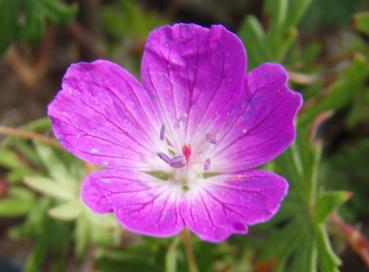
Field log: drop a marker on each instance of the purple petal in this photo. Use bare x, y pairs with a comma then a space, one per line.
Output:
250, 197
141, 203
192, 72
102, 115
226, 204
204, 222
264, 127
95, 195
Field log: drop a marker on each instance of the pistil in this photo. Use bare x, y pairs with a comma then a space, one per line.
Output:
186, 151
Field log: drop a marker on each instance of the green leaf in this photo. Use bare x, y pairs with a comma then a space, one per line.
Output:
327, 202
55, 167
41, 124
276, 12
296, 10
26, 20
283, 243
328, 260
19, 202
38, 12
105, 221
126, 19
10, 160
38, 125
58, 12
105, 237
49, 187
253, 36
341, 92
67, 211
36, 217
36, 257
33, 28
305, 258
287, 41
282, 17
82, 233
52, 242
8, 22
131, 259
361, 22
26, 150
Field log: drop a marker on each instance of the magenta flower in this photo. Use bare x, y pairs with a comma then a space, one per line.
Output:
179, 148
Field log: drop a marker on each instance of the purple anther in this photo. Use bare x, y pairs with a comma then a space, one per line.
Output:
164, 157
207, 165
177, 161
162, 132
211, 138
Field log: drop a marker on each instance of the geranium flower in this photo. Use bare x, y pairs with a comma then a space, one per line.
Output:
179, 148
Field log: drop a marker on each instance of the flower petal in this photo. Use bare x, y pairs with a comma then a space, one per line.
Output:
226, 204
141, 203
264, 127
192, 72
250, 197
101, 115
210, 225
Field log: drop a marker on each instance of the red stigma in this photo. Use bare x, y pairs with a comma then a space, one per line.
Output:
186, 151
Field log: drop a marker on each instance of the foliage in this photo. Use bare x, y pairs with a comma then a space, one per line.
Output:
303, 241
127, 18
339, 14
25, 20
127, 25
43, 181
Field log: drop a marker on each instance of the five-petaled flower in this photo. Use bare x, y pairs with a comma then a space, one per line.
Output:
179, 148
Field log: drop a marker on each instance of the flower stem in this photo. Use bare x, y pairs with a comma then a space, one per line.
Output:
354, 237
14, 132
186, 237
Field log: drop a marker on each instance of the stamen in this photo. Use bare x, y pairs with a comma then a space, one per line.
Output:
164, 157
211, 138
162, 132
177, 161
207, 165
186, 151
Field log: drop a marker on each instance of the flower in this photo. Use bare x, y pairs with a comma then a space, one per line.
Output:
179, 148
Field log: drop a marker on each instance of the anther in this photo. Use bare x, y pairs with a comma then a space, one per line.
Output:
164, 157
177, 161
207, 165
211, 138
162, 132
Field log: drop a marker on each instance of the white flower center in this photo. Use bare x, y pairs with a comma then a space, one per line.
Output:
186, 166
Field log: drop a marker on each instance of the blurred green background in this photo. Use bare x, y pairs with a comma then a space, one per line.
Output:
322, 225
